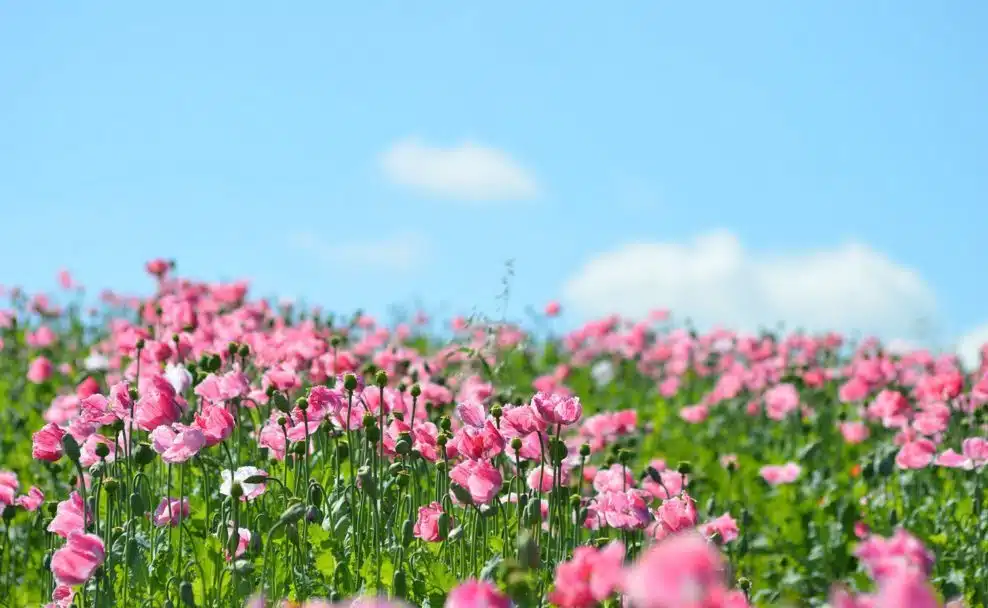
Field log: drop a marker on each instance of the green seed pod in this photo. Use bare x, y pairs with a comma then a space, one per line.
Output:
143, 454
407, 532
291, 515
137, 503
533, 513
373, 434
70, 447
111, 486
399, 585
461, 494
341, 526
342, 451
97, 469
443, 526
316, 494
280, 401
528, 551
381, 379
186, 594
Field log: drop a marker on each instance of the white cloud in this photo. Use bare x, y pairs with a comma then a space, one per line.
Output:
969, 346
468, 171
713, 280
400, 253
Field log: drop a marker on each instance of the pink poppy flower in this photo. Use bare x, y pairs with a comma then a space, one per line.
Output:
976, 448
243, 541
481, 479
694, 414
32, 500
177, 445
521, 420
170, 511
78, 559
674, 515
47, 443
617, 478
916, 454
557, 409
477, 443
68, 516
8, 488
157, 406
683, 570
906, 589
854, 432
884, 557
62, 597
780, 474
477, 594
251, 490
40, 370
427, 524
953, 460
215, 422
591, 577
780, 400
622, 510
725, 527
540, 479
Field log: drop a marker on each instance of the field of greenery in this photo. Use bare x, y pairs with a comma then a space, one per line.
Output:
195, 446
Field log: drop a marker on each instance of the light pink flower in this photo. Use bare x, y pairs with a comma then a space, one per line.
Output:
158, 405
725, 527
683, 570
479, 478
557, 409
47, 443
780, 474
780, 400
76, 561
179, 444
427, 525
477, 594
591, 577
40, 370
170, 511
916, 454
215, 422
68, 516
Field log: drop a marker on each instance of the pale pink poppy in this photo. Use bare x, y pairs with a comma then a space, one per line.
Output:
179, 444
47, 443
916, 454
170, 511
68, 516
479, 478
590, 577
780, 474
427, 525
78, 559
39, 370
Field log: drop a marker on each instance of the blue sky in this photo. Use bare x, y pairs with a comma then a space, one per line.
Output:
363, 154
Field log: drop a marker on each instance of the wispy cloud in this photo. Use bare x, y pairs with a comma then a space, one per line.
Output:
468, 172
398, 253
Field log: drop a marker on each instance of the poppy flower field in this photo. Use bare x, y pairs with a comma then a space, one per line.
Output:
198, 446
